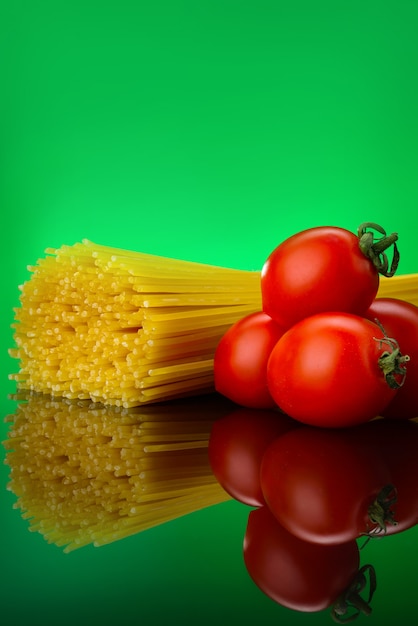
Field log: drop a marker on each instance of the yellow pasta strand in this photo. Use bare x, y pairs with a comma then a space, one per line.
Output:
88, 474
125, 328
402, 286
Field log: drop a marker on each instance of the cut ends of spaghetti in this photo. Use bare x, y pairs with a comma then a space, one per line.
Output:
124, 328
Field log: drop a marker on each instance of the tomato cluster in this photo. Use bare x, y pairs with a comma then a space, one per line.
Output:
322, 446
325, 349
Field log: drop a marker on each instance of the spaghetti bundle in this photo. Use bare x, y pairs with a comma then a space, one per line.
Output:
88, 474
125, 328
402, 286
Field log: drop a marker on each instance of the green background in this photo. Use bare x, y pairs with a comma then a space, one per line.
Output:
207, 131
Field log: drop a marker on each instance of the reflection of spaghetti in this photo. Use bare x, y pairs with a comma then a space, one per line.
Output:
125, 328
89, 474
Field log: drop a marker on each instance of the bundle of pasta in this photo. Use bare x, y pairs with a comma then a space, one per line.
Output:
88, 474
125, 328
402, 286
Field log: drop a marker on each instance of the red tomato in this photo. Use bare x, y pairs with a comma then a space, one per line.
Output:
319, 484
323, 269
396, 441
296, 574
240, 361
236, 447
400, 320
327, 370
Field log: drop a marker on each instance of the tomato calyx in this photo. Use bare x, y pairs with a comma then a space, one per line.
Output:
392, 362
342, 610
375, 249
380, 512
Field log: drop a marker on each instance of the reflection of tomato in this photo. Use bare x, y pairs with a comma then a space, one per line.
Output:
320, 483
296, 574
240, 361
316, 270
400, 320
236, 447
396, 441
326, 370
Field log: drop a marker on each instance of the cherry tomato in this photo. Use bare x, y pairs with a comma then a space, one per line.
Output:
320, 484
400, 320
333, 370
396, 441
240, 361
236, 447
296, 574
324, 269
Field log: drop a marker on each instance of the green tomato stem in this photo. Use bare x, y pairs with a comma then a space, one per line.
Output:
381, 512
392, 362
351, 598
375, 249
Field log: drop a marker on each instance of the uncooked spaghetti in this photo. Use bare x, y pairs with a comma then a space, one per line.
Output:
87, 474
125, 328
403, 286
